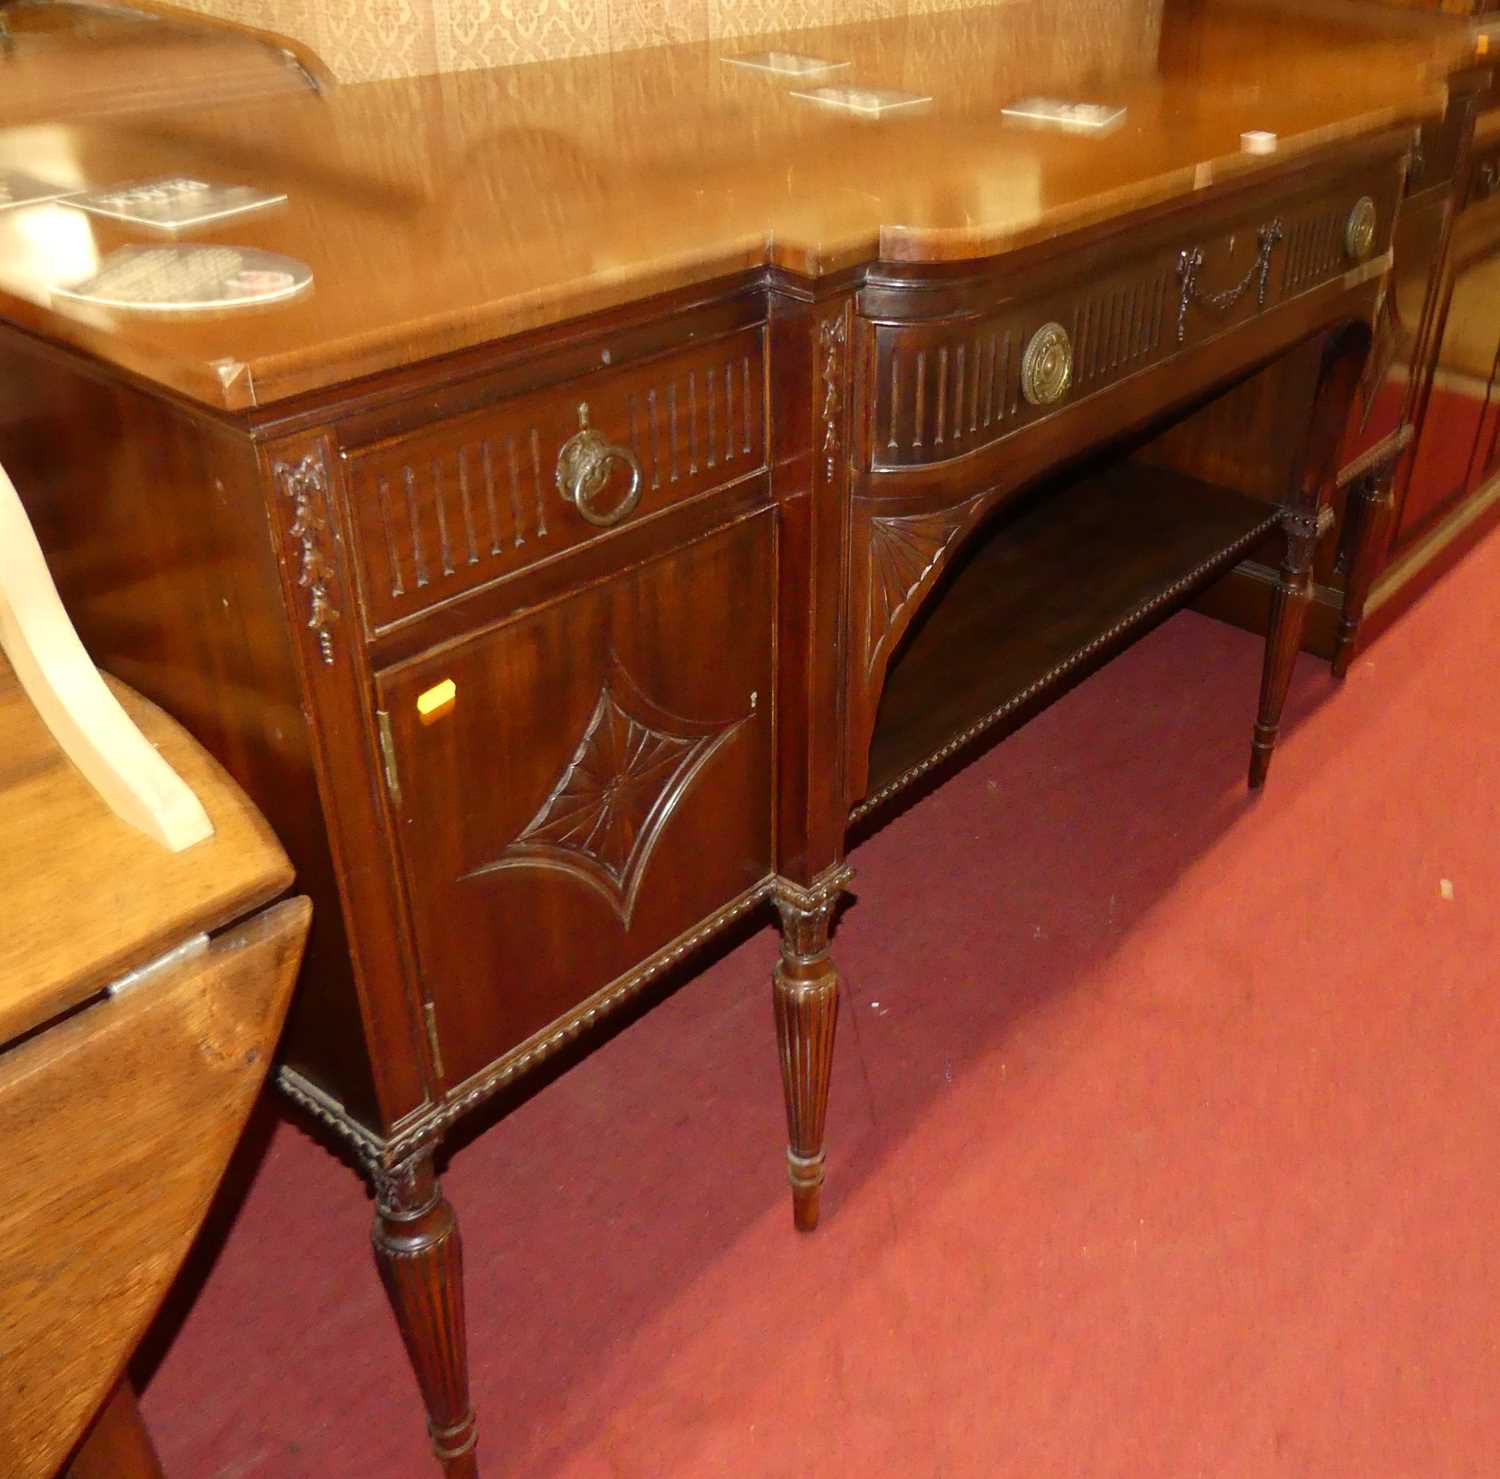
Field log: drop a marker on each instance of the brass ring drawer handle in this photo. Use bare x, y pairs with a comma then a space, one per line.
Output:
583, 469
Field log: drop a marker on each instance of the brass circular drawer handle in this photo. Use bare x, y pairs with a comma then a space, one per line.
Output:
583, 471
1047, 366
1359, 229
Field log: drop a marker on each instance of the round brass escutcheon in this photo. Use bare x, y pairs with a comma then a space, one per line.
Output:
1047, 366
1359, 229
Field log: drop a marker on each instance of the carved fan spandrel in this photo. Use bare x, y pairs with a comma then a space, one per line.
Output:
903, 551
606, 811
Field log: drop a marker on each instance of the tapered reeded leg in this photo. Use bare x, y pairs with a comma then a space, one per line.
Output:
420, 1259
1289, 603
1369, 510
805, 993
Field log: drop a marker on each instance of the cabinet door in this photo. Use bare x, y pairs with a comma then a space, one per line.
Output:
1457, 434
582, 784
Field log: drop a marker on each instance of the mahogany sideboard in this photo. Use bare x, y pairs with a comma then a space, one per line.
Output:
665, 473
1437, 372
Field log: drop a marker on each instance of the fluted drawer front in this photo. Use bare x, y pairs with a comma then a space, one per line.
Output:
476, 499
963, 379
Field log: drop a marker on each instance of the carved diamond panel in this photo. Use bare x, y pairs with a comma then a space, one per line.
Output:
606, 811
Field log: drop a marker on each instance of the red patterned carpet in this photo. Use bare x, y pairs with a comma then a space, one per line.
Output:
1166, 1140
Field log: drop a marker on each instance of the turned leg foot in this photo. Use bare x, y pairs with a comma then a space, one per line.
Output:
805, 995
1289, 602
420, 1259
1370, 505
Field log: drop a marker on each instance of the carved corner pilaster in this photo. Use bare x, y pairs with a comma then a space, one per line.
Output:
833, 399
408, 1189
807, 913
303, 483
1304, 527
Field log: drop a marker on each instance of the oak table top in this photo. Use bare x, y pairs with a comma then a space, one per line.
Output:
442, 212
89, 897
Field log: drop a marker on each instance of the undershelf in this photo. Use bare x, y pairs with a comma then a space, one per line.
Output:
1044, 598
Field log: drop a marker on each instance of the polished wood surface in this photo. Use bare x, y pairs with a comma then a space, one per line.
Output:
118, 1125
119, 1115
70, 61
127, 899
441, 212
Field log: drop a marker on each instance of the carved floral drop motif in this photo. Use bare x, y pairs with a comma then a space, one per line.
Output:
606, 811
306, 484
832, 336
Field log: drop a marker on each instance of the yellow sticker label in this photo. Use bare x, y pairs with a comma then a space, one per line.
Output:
436, 699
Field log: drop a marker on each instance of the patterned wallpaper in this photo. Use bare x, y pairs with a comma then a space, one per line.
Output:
365, 39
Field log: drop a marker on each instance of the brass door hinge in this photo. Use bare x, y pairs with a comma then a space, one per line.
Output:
430, 1015
388, 756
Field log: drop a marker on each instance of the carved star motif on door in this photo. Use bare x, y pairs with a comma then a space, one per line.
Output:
606, 810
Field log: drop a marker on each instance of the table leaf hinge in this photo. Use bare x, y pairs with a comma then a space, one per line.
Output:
388, 756
429, 1016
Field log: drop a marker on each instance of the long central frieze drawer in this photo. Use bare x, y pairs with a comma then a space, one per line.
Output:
957, 365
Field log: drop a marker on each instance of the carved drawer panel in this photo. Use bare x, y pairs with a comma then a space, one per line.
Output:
947, 387
578, 786
477, 498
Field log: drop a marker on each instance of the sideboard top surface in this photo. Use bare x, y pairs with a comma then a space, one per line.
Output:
442, 212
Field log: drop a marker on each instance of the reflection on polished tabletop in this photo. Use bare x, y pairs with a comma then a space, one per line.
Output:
441, 212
